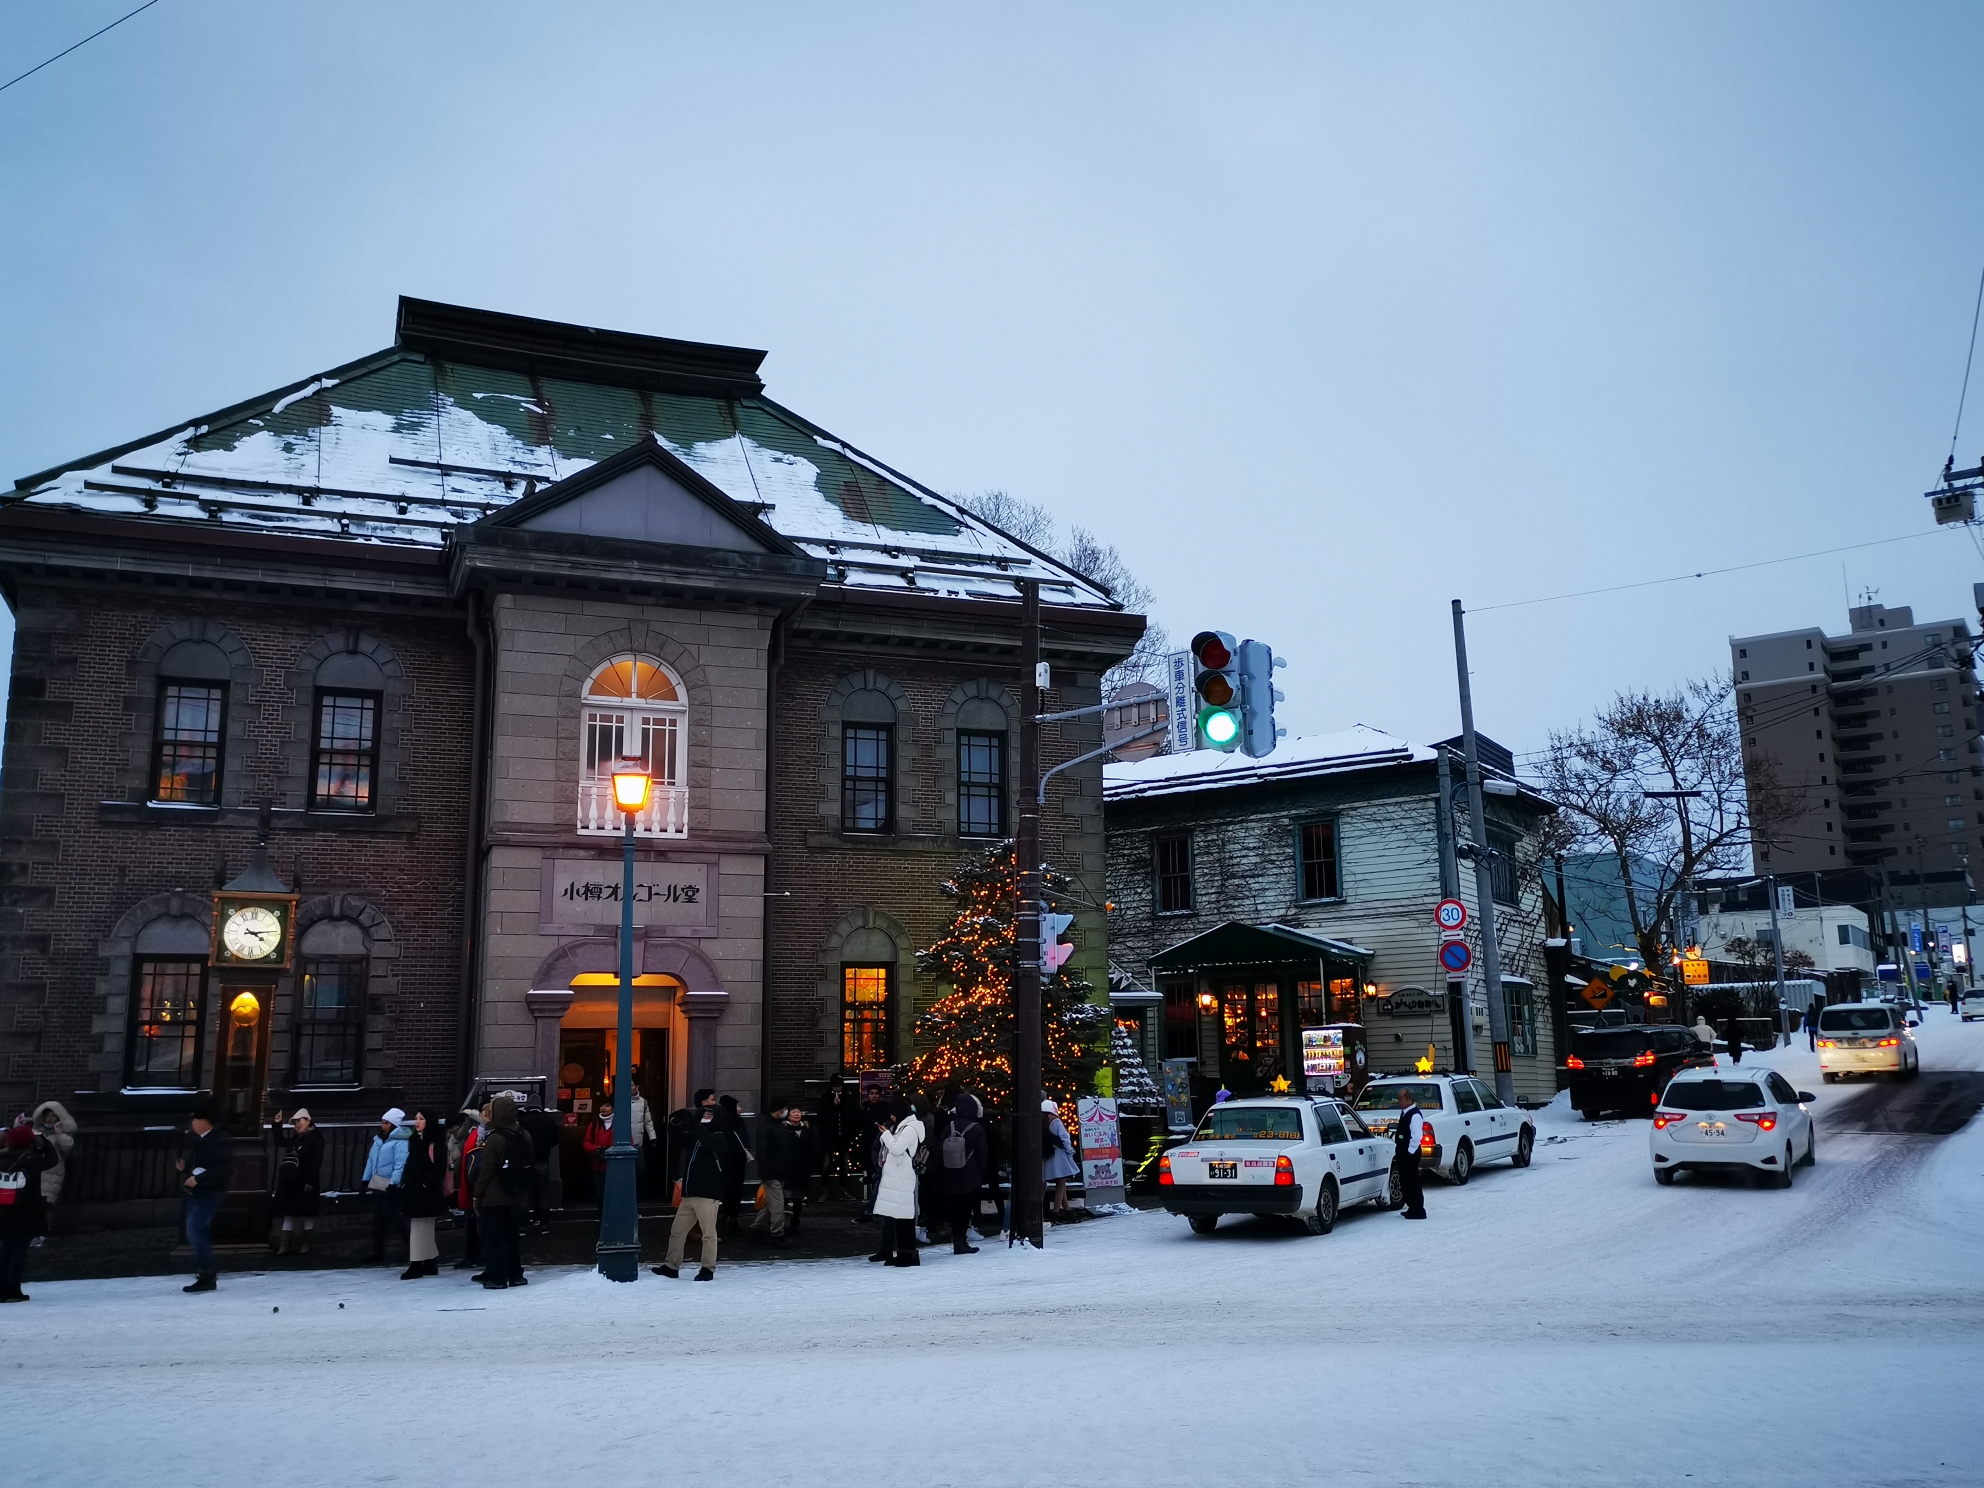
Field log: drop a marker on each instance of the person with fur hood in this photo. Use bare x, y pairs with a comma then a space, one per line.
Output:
53, 1121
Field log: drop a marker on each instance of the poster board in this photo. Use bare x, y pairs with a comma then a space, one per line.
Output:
1102, 1149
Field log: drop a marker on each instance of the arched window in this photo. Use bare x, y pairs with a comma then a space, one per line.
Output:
633, 709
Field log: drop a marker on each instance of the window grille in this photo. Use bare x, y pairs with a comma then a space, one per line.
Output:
347, 754
1174, 875
866, 1040
981, 785
165, 1024
189, 735
633, 709
1319, 876
867, 765
330, 1023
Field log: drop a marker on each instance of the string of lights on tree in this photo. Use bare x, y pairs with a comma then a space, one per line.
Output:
968, 1031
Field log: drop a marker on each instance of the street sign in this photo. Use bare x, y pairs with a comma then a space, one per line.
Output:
1451, 914
1183, 701
1694, 973
1455, 955
1599, 992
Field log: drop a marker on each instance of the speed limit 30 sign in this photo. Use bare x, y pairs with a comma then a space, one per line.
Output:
1451, 915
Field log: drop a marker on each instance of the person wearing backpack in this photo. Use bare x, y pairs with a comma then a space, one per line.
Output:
711, 1151
965, 1156
1057, 1157
505, 1165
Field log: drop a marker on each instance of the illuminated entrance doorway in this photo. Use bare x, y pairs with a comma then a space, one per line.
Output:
588, 1048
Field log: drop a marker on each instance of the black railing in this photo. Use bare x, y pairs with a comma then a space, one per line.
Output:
111, 1166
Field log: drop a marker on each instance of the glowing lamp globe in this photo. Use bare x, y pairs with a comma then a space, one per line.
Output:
630, 787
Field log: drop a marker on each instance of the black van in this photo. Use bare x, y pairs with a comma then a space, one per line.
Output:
1625, 1069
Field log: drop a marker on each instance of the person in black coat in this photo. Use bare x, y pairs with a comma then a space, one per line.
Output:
837, 1129
24, 1156
732, 1120
422, 1182
299, 1184
964, 1156
710, 1153
204, 1170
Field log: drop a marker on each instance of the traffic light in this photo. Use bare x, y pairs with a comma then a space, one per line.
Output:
1053, 952
1216, 680
1258, 731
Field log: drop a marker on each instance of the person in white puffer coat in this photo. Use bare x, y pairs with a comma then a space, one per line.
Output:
54, 1122
901, 1136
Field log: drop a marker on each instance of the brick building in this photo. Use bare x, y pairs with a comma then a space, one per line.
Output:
399, 619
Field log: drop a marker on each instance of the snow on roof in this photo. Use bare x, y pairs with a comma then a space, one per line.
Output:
1357, 748
399, 449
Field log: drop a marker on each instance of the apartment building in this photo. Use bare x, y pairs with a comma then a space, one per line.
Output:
1876, 733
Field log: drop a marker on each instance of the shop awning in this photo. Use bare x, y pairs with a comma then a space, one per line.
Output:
1235, 944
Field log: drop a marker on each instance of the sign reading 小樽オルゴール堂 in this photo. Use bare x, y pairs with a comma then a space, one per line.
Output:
587, 891
1411, 1002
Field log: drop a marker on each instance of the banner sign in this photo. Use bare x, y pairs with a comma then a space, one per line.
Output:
1178, 1095
1181, 723
1102, 1149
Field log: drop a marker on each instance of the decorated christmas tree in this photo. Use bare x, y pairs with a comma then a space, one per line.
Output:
968, 1029
1136, 1091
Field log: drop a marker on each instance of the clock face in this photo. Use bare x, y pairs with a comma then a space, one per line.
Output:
252, 933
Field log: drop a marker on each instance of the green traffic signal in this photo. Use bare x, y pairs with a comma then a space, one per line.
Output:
1219, 727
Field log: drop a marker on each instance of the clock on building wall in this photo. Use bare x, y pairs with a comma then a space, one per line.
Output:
253, 930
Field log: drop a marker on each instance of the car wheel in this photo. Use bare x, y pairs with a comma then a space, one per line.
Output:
1394, 1194
1463, 1168
1202, 1224
1812, 1148
1830, 1079
1525, 1144
1783, 1176
1590, 1113
1663, 1176
1322, 1219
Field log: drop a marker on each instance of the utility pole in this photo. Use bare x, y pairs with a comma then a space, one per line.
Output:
1025, 1216
1776, 947
1457, 1004
1484, 882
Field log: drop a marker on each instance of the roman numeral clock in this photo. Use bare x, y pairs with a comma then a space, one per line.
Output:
253, 930
254, 944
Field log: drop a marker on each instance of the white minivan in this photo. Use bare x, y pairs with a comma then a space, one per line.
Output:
1867, 1038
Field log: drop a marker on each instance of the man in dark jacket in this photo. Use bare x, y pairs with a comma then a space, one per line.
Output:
963, 1156
542, 1128
503, 1146
785, 1161
24, 1156
1406, 1139
711, 1152
209, 1156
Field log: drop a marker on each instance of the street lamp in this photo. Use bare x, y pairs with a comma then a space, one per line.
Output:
619, 1209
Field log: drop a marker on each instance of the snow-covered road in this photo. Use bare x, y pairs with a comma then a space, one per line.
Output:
1568, 1324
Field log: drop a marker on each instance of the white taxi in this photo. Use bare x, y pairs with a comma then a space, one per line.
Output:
1732, 1120
1867, 1038
1466, 1125
1972, 1003
1290, 1155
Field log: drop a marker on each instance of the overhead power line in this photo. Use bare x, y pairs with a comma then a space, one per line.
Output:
1706, 573
83, 43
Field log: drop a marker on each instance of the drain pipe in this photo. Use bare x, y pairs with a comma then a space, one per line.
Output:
480, 712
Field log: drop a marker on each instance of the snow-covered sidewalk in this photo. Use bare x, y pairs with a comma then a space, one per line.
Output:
1568, 1324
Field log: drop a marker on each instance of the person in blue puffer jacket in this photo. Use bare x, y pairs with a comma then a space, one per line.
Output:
385, 1162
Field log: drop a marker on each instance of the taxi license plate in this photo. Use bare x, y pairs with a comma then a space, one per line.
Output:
1222, 1170
1715, 1130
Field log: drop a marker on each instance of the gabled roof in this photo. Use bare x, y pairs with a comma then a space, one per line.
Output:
471, 410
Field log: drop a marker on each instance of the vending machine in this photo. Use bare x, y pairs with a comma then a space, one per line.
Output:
1334, 1060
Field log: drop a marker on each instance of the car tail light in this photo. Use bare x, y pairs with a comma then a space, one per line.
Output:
1825, 1043
1164, 1171
1574, 1063
1426, 1140
1888, 1044
1284, 1172
1642, 1059
1664, 1119
1762, 1120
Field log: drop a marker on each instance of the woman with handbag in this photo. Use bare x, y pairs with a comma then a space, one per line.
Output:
383, 1162
299, 1182
421, 1183
899, 1134
1057, 1153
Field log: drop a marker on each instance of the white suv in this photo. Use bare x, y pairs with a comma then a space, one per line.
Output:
1731, 1120
1465, 1124
1865, 1038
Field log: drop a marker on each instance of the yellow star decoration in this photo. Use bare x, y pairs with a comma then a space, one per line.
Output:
1425, 1064
1279, 1085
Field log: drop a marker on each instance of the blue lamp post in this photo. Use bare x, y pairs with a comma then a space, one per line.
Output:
619, 1210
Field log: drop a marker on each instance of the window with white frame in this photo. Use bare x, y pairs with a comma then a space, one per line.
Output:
633, 708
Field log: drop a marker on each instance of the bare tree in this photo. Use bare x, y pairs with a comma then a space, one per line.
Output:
1685, 740
1088, 555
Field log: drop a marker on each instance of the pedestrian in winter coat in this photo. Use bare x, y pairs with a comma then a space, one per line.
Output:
54, 1122
503, 1146
381, 1179
544, 1129
733, 1195
463, 1136
711, 1153
963, 1155
1057, 1164
1734, 1039
898, 1136
299, 1184
1704, 1034
1812, 1024
25, 1155
995, 1124
208, 1159
598, 1137
838, 1128
786, 1160
423, 1183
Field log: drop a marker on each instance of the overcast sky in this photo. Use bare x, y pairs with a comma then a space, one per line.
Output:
1324, 314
